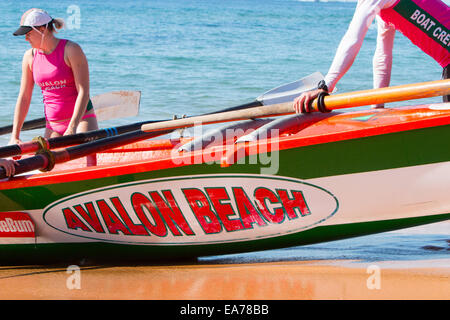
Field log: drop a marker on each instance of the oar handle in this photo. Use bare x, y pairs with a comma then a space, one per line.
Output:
29, 164
46, 160
64, 141
27, 125
258, 112
385, 95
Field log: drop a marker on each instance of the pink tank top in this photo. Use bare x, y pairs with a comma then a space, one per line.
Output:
426, 23
57, 83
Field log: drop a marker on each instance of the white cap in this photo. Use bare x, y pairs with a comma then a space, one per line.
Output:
32, 18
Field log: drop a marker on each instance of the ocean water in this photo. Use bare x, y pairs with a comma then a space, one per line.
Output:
196, 56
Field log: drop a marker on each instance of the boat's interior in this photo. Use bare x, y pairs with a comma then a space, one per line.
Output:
229, 134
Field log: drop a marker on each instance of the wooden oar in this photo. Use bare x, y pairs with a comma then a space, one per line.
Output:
110, 105
386, 95
332, 102
47, 159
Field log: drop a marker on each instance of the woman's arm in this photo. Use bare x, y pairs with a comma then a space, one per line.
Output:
24, 98
346, 52
348, 48
76, 59
352, 41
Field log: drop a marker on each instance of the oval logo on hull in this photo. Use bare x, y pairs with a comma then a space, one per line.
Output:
190, 210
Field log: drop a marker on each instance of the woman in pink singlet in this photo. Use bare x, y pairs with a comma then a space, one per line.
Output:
59, 67
425, 22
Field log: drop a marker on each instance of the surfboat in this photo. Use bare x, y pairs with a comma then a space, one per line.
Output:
245, 186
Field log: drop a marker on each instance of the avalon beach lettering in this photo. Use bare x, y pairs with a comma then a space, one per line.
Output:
193, 210
158, 214
53, 85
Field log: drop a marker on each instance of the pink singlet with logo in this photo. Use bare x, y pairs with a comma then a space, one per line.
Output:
426, 23
57, 83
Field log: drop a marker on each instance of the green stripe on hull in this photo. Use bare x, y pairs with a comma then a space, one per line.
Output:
387, 151
120, 253
381, 152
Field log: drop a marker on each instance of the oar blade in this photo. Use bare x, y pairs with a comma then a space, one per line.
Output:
110, 105
288, 92
116, 104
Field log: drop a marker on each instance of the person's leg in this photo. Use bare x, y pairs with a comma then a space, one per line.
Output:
89, 123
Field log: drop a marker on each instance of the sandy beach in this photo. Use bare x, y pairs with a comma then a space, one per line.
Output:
310, 280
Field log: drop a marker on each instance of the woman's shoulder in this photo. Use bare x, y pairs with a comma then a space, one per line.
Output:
28, 56
73, 53
72, 49
29, 53
71, 45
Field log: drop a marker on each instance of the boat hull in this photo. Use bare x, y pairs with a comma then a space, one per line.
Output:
309, 188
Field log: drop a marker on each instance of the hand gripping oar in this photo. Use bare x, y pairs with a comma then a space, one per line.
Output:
383, 95
325, 104
282, 93
110, 105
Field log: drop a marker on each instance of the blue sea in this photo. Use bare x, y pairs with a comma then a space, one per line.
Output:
196, 56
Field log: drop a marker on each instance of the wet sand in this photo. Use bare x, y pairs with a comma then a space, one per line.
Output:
286, 280
411, 264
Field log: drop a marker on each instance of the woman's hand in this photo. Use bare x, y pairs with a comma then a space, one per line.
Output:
70, 130
9, 166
